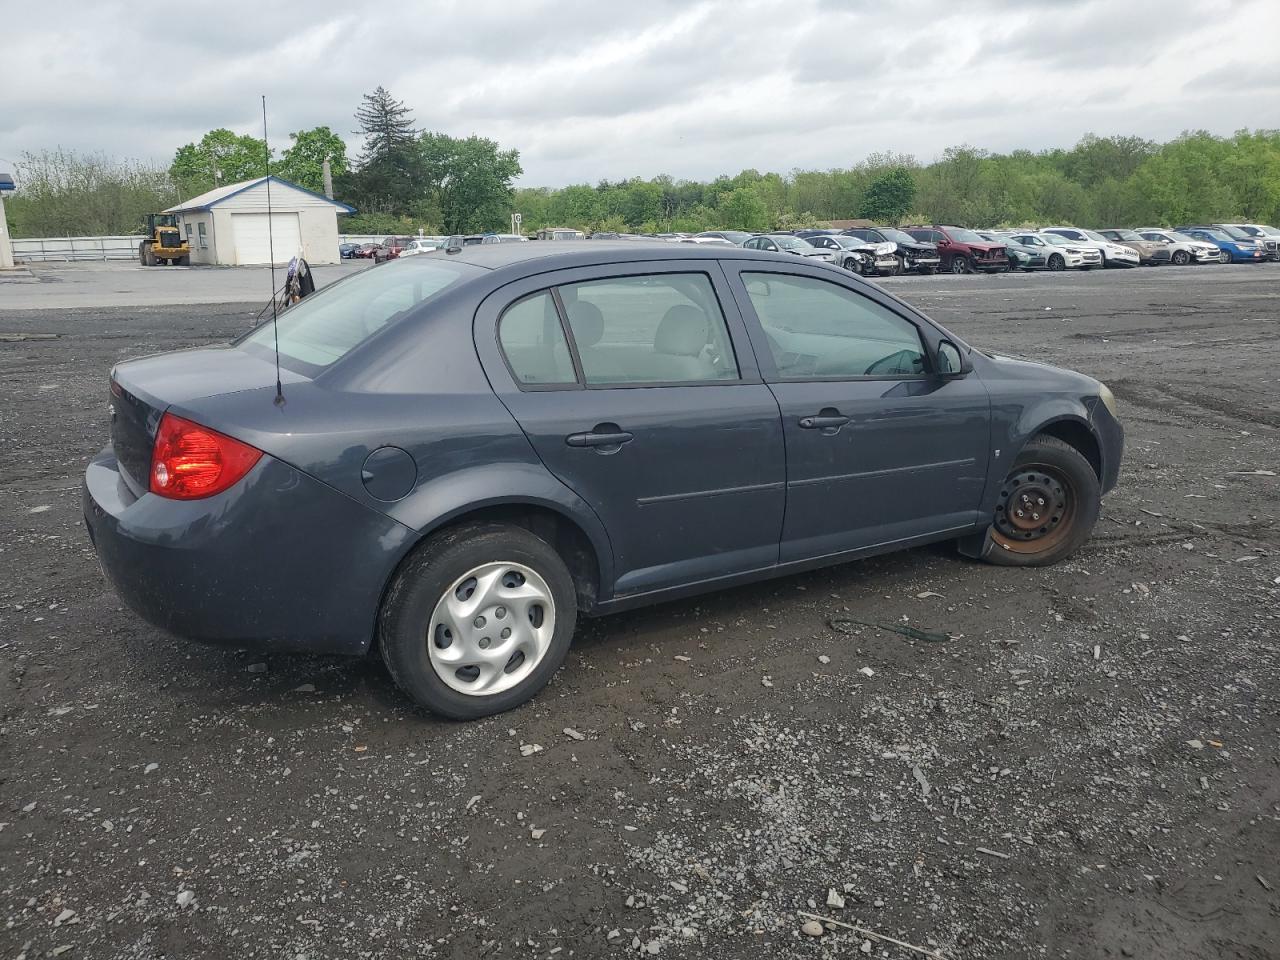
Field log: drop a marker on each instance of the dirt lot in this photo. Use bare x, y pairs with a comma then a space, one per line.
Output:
1091, 770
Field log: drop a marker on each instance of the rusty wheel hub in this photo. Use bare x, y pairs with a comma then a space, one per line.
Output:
1034, 511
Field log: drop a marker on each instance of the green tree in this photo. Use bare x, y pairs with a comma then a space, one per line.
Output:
742, 209
468, 180
388, 175
64, 193
889, 196
303, 161
221, 157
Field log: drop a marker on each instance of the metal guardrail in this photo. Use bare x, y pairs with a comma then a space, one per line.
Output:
76, 248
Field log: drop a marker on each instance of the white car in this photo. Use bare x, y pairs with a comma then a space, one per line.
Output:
1113, 254
423, 245
1182, 249
1269, 236
1059, 252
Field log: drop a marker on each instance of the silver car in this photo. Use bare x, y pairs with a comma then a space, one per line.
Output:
786, 243
1182, 249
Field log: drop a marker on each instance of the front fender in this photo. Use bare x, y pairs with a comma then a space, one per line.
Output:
1012, 428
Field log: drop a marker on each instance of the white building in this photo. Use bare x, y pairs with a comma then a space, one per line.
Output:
228, 225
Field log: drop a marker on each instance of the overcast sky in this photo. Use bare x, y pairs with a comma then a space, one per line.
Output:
603, 89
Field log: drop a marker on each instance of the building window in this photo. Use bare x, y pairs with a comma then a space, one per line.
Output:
188, 226
204, 239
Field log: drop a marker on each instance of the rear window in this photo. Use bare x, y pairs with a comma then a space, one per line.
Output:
331, 322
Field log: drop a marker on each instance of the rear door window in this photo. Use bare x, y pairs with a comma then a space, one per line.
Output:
649, 329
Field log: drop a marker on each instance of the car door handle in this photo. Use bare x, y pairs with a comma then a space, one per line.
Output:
823, 422
602, 439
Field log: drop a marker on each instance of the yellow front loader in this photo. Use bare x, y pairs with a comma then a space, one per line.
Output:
163, 243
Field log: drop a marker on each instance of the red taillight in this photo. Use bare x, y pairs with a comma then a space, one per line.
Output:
190, 461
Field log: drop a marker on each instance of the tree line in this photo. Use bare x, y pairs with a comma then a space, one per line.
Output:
1100, 182
405, 179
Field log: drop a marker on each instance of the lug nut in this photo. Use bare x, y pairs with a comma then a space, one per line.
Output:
506, 632
502, 611
1040, 501
484, 643
1035, 516
1019, 513
479, 622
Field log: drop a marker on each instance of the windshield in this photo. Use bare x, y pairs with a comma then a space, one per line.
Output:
1216, 234
1181, 237
964, 236
793, 243
1094, 235
1129, 235
330, 323
896, 236
1235, 233
847, 242
733, 236
1056, 239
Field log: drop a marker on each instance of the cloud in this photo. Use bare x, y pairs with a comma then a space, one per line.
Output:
588, 90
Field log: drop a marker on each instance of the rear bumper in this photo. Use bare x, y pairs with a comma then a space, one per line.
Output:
279, 562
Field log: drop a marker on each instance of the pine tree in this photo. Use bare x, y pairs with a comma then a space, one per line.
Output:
385, 123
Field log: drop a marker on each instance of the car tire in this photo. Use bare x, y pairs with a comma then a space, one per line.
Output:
960, 265
521, 581
1180, 258
1056, 262
929, 271
852, 265
1224, 257
1059, 497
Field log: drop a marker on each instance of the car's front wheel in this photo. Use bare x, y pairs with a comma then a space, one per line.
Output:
1224, 257
1047, 506
961, 264
1056, 262
477, 620
1180, 258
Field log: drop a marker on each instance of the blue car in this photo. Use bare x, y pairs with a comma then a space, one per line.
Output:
451, 458
1235, 249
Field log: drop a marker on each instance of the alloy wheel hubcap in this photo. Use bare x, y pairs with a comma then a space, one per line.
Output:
491, 628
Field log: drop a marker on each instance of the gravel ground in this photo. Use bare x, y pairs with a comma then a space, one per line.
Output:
1089, 769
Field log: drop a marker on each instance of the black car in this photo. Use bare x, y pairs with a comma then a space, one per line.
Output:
463, 453
918, 255
348, 250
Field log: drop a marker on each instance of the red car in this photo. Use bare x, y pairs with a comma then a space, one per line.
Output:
963, 251
366, 251
391, 248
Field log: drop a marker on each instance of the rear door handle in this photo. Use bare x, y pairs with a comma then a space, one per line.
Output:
823, 422
603, 437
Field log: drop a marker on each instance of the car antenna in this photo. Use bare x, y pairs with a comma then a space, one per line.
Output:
271, 254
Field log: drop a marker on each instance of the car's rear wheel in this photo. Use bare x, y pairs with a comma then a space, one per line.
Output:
1047, 506
478, 620
1180, 258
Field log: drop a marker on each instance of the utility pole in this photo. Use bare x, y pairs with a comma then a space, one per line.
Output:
6, 246
327, 172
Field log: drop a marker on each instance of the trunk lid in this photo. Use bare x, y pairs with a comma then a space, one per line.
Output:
141, 391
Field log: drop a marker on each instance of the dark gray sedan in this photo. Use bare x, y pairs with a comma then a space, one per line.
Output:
467, 451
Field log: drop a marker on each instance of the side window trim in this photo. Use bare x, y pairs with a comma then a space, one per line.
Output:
759, 338
570, 339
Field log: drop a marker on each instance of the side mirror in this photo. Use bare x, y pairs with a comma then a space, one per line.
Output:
944, 242
950, 362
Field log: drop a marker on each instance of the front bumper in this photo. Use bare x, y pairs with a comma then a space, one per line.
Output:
280, 561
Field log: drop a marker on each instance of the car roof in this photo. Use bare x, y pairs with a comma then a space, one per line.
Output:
560, 254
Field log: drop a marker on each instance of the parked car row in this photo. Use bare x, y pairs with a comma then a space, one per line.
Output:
929, 248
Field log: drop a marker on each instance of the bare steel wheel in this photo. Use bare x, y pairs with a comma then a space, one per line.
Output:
491, 628
1046, 507
477, 619
1034, 510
